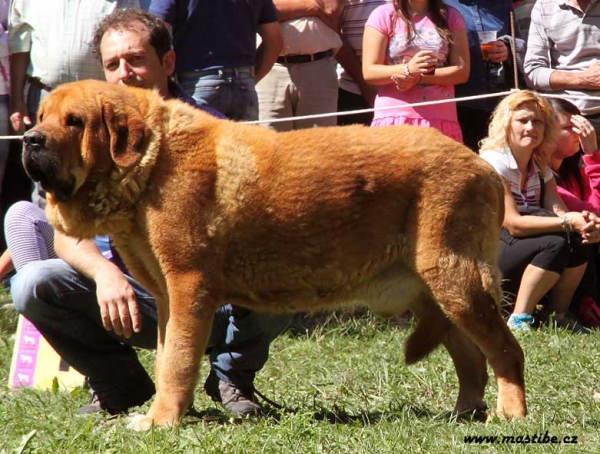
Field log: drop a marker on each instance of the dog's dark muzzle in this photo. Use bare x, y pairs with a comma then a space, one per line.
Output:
34, 141
43, 166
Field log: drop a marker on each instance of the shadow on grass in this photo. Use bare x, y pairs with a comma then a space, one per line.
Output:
338, 415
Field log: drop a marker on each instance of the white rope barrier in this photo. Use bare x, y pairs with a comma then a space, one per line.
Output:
353, 112
418, 104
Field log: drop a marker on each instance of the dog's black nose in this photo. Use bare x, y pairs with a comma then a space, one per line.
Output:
34, 139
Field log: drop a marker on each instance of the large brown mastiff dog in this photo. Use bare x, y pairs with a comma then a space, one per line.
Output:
208, 211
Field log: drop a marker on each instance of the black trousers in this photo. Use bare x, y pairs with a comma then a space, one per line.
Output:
348, 101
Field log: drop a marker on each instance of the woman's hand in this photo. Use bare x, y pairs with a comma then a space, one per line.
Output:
422, 62
586, 132
405, 83
587, 224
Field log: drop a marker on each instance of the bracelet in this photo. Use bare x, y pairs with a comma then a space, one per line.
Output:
564, 225
407, 71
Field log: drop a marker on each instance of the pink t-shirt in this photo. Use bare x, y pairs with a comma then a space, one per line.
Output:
441, 116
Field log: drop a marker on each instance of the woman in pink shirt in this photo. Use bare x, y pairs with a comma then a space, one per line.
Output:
416, 51
578, 174
576, 164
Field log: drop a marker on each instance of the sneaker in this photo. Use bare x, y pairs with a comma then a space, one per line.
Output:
568, 321
234, 399
520, 322
92, 408
96, 407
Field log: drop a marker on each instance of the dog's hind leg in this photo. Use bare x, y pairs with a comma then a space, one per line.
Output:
468, 292
471, 369
434, 327
431, 329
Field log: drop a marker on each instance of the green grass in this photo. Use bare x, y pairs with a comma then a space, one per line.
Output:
344, 389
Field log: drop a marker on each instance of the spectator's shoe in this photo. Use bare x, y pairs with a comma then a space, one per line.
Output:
588, 313
92, 408
236, 401
568, 321
520, 322
96, 407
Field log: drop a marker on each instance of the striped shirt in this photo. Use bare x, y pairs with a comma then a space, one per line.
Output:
58, 35
504, 163
563, 38
353, 18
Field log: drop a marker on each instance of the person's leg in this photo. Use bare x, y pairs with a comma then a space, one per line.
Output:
239, 348
531, 266
275, 98
474, 125
4, 131
535, 283
241, 342
562, 293
317, 85
62, 305
208, 88
244, 98
29, 235
348, 101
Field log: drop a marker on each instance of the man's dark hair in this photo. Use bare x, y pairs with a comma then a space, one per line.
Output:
130, 19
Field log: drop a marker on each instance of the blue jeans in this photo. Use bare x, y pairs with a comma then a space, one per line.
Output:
62, 304
231, 91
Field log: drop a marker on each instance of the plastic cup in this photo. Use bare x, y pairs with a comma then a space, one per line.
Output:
486, 38
434, 48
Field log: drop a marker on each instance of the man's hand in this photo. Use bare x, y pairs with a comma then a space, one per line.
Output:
19, 118
328, 11
498, 53
116, 297
591, 77
118, 306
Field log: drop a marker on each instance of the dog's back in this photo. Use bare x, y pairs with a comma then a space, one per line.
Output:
309, 217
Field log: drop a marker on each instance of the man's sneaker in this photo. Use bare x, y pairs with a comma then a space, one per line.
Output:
96, 407
234, 399
568, 321
520, 322
92, 408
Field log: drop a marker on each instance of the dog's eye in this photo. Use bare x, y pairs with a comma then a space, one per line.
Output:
74, 121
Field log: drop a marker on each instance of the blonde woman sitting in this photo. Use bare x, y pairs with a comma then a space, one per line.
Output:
543, 249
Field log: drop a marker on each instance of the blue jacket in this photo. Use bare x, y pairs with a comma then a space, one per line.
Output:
485, 78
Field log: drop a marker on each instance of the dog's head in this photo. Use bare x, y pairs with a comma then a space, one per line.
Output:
84, 130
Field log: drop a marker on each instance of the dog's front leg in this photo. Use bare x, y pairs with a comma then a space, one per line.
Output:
184, 338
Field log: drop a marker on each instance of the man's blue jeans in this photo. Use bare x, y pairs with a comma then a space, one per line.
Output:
62, 304
231, 91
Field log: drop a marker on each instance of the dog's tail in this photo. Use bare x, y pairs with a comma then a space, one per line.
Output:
432, 327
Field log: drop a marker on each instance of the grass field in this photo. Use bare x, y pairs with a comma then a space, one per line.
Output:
344, 389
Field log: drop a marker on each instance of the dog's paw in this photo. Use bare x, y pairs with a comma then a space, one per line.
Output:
139, 423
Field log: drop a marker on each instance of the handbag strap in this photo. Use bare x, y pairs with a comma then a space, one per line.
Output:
542, 189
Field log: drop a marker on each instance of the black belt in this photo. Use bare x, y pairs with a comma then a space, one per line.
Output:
305, 58
39, 84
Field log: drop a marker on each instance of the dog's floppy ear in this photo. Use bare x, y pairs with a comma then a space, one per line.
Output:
127, 131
